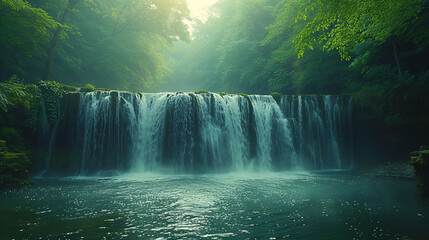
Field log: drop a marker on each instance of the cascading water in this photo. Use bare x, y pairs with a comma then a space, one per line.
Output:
198, 133
321, 130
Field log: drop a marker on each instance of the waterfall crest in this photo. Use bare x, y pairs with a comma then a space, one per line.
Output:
199, 133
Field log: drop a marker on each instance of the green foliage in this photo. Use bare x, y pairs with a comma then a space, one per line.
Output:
13, 138
68, 88
226, 54
400, 100
421, 160
88, 88
342, 25
52, 93
13, 169
24, 32
102, 89
201, 92
192, 96
243, 62
231, 52
223, 93
4, 102
19, 103
34, 25
244, 95
115, 44
127, 42
13, 166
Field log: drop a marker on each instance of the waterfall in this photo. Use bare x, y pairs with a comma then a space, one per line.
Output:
199, 133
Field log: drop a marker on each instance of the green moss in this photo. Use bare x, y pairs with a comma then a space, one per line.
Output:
52, 93
244, 95
223, 93
139, 93
68, 88
201, 92
192, 95
277, 96
88, 88
102, 89
421, 160
14, 168
14, 139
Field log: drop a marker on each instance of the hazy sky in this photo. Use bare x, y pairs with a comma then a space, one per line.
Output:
199, 8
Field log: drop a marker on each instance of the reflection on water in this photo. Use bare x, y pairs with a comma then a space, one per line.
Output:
279, 206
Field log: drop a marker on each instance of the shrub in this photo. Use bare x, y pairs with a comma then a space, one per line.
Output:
223, 93
201, 92
88, 88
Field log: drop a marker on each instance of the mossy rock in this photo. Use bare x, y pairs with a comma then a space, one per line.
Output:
102, 89
201, 92
192, 96
14, 169
223, 93
68, 88
244, 95
138, 93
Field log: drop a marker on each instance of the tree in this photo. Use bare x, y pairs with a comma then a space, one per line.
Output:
24, 31
56, 37
341, 25
113, 43
232, 53
243, 62
123, 44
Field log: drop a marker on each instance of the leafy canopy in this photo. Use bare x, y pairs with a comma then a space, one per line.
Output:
342, 24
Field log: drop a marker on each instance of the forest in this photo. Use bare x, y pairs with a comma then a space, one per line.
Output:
375, 52
257, 46
254, 119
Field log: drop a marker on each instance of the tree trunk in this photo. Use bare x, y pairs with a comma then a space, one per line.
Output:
396, 57
56, 38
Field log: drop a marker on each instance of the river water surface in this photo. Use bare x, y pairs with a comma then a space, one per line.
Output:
234, 206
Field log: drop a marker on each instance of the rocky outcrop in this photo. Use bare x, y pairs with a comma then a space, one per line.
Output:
420, 161
13, 168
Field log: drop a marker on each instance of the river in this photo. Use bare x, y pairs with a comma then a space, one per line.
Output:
293, 205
